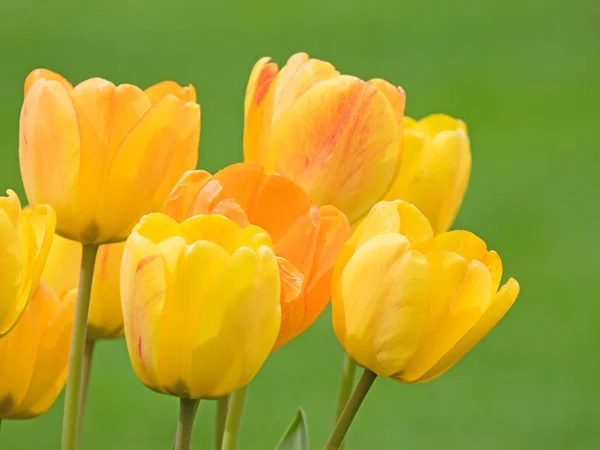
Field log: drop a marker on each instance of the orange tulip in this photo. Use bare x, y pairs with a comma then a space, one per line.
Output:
306, 239
104, 155
338, 137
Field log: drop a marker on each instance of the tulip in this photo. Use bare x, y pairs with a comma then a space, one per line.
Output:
407, 305
105, 320
336, 136
104, 155
435, 168
306, 239
200, 304
25, 239
34, 356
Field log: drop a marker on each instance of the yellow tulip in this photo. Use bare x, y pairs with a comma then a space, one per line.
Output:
200, 304
25, 238
408, 305
35, 355
435, 168
336, 136
104, 155
61, 272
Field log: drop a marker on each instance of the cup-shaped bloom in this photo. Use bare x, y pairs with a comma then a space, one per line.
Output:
200, 304
25, 239
408, 305
105, 319
104, 155
336, 136
306, 239
34, 356
435, 168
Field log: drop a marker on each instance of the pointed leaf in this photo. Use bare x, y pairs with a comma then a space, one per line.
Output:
296, 436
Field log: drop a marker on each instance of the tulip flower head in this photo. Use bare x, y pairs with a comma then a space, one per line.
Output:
336, 136
408, 305
25, 239
306, 239
435, 168
104, 155
105, 320
35, 354
200, 304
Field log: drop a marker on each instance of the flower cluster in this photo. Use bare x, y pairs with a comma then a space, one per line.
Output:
340, 196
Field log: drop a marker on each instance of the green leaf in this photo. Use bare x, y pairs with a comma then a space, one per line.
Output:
296, 436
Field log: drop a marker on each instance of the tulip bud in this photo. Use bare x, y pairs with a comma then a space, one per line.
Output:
104, 155
336, 136
200, 304
408, 305
306, 239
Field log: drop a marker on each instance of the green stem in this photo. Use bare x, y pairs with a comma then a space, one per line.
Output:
346, 385
187, 414
78, 340
234, 417
220, 417
345, 420
85, 381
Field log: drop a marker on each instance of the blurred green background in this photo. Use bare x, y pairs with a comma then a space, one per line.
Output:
524, 75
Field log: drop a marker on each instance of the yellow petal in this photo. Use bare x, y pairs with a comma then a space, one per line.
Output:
192, 272
500, 305
465, 243
395, 95
52, 360
48, 121
438, 123
464, 307
380, 304
150, 160
45, 74
12, 264
143, 293
105, 114
257, 113
436, 184
157, 227
237, 324
340, 142
42, 220
19, 350
158, 91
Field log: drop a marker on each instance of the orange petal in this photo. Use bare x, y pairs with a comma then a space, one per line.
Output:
45, 74
395, 95
340, 142
293, 307
158, 91
182, 200
299, 243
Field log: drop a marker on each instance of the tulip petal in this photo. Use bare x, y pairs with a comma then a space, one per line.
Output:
502, 302
293, 306
182, 202
12, 263
157, 227
466, 244
438, 123
48, 121
412, 150
158, 91
45, 74
61, 271
42, 219
143, 293
238, 323
395, 95
52, 358
380, 304
325, 142
462, 313
161, 146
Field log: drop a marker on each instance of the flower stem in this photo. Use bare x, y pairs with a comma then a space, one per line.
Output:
234, 417
220, 417
187, 414
85, 381
76, 356
346, 385
345, 420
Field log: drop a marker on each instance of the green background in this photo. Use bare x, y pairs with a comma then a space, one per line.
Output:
524, 75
